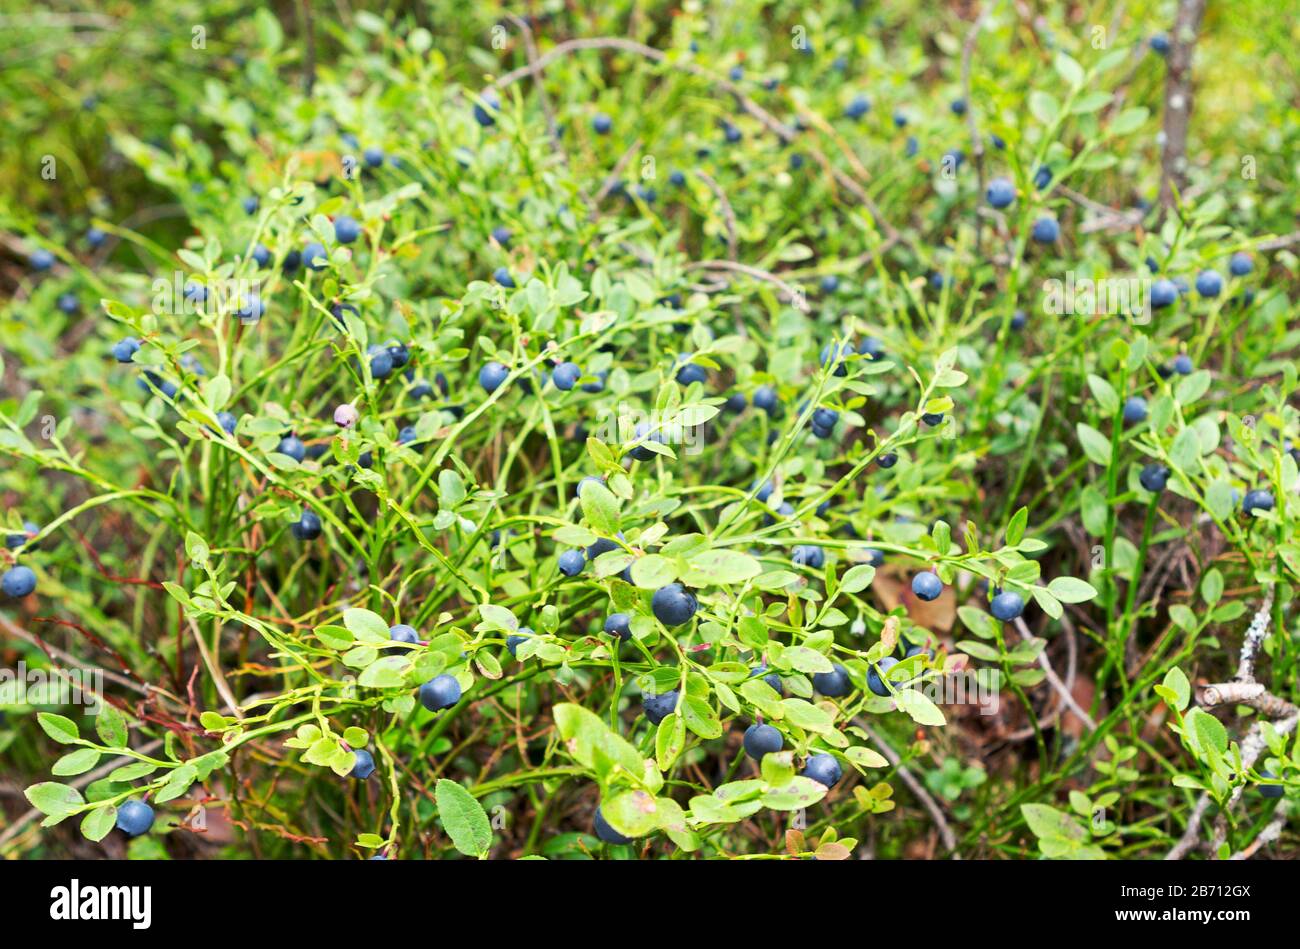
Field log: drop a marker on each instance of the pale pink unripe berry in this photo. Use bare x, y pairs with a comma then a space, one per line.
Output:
345, 416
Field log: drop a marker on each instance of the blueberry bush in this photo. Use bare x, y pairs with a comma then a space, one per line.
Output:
745, 431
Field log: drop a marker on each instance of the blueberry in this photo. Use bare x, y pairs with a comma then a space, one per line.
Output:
997, 141
599, 384
502, 276
1183, 364
1007, 606
1271, 791
736, 402
292, 446
658, 707
796, 161
374, 156
125, 350
912, 146
833, 684
1001, 193
643, 434
251, 204
442, 691
602, 123
571, 563
67, 302
954, 157
381, 364
927, 585
1160, 44
1154, 477
871, 347
887, 460
492, 375
830, 283
730, 133
688, 372
566, 374
673, 605
1257, 500
958, 106
1163, 293
1209, 283
1042, 177
876, 675
762, 740
346, 229
875, 557
765, 398
18, 582
736, 74
763, 491
808, 555
398, 353
292, 261
859, 107
605, 832
933, 419
261, 255
1240, 264
825, 418
315, 256
1046, 230
307, 527
834, 355
401, 633
251, 309
134, 817
227, 421
771, 678
918, 650
1135, 409
364, 766
20, 538
95, 237
823, 768
620, 625
515, 640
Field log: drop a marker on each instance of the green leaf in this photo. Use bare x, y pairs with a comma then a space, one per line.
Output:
720, 567
919, 707
97, 823
386, 672
1016, 528
858, 578
1177, 684
463, 818
600, 507
1071, 590
591, 742
368, 627
110, 725
63, 730
806, 660
1059, 834
653, 571
76, 762
54, 799
1095, 445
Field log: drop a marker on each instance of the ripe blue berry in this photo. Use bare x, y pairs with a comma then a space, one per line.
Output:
602, 123
1209, 283
689, 372
95, 237
859, 107
402, 633
1271, 791
1164, 292
67, 303
1135, 409
134, 817
762, 740
620, 625
315, 256
515, 640
887, 460
492, 375
1046, 230
673, 605
18, 582
1001, 193
251, 204
374, 156
871, 347
1042, 177
307, 527
364, 766
440, 692
1007, 606
958, 106
823, 768
1240, 264
876, 675
566, 374
1183, 364
1160, 44
125, 350
40, 259
1154, 477
927, 585
605, 832
571, 562
502, 276
381, 363
346, 229
292, 446
765, 398
771, 678
833, 684
1257, 500
485, 113
808, 555
658, 707
1019, 320
227, 421
261, 255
